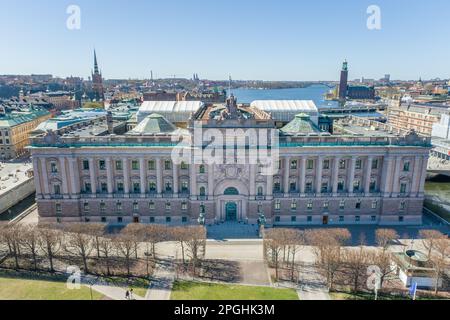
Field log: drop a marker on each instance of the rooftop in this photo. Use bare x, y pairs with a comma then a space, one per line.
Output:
16, 118
12, 175
285, 105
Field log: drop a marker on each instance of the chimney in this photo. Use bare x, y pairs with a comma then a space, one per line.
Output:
109, 121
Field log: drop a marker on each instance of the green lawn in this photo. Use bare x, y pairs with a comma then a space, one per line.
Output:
139, 285
20, 289
186, 290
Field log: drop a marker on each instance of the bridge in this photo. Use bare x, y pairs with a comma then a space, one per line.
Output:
438, 166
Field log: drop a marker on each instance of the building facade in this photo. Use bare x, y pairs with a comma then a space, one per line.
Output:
353, 176
15, 129
415, 117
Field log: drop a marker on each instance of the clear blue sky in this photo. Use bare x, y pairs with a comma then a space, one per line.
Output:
249, 39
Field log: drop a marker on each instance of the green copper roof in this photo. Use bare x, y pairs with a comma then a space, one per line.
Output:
301, 124
16, 118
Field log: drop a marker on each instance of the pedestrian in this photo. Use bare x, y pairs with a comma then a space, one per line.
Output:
127, 295
131, 293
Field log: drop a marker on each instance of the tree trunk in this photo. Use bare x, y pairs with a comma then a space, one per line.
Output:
182, 253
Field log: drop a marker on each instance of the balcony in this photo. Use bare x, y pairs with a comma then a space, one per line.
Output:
167, 194
260, 197
202, 198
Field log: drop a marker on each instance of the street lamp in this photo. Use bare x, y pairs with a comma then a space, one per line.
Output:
201, 219
261, 223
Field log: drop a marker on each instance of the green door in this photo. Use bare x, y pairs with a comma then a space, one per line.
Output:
231, 211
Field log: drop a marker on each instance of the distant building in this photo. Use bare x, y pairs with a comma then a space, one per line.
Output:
361, 93
160, 95
415, 117
343, 84
15, 129
97, 82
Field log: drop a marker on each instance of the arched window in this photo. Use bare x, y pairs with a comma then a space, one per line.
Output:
202, 169
202, 191
231, 192
260, 191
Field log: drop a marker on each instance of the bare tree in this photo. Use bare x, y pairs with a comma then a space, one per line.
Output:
180, 235
137, 231
50, 239
78, 242
328, 250
106, 247
356, 261
382, 259
30, 240
11, 235
384, 237
274, 243
440, 259
154, 234
429, 238
125, 246
295, 240
196, 244
97, 230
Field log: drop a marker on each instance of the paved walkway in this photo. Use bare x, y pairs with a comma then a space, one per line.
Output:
312, 285
112, 292
161, 283
254, 273
232, 230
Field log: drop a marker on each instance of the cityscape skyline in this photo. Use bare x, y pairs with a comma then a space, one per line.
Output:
223, 41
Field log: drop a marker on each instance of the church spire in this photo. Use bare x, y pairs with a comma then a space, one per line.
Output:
96, 71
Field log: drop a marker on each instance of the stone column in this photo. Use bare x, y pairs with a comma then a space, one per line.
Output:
423, 175
64, 177
92, 176
253, 180
368, 175
211, 181
351, 176
74, 178
109, 175
159, 176
396, 182
269, 187
44, 174
193, 180
286, 176
319, 169
175, 179
386, 176
336, 162
126, 176
417, 174
302, 175
143, 175
37, 177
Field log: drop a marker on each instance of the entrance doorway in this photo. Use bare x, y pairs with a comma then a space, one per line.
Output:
231, 211
136, 219
325, 220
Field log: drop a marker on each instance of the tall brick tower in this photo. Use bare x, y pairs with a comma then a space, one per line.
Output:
97, 82
343, 85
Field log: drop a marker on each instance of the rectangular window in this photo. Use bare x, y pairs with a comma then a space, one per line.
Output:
120, 187
374, 204
310, 165
341, 218
309, 219
326, 205
136, 187
119, 165
85, 165
324, 188
358, 164
341, 186
58, 208
401, 219
152, 220
103, 219
277, 219
135, 207
167, 165
102, 164
151, 205
151, 165
356, 185
342, 164
294, 164
168, 206
184, 220
293, 219
86, 206
119, 206
402, 205
184, 166
184, 206
104, 187
57, 189
373, 218
168, 219
53, 168
278, 205
102, 207
358, 205
87, 187
357, 218
294, 205
309, 206
406, 166
134, 165
309, 187
326, 164
375, 164
373, 186
342, 205
119, 220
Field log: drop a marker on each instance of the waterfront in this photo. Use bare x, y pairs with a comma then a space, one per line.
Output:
315, 93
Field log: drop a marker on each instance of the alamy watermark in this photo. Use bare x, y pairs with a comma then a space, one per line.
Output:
73, 21
230, 146
374, 19
74, 280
